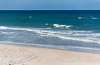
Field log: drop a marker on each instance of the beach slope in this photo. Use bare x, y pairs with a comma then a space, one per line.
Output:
30, 55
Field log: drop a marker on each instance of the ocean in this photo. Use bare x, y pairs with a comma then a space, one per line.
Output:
77, 30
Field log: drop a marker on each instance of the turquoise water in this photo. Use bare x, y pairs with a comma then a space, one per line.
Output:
62, 29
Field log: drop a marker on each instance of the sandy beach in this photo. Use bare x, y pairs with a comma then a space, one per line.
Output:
30, 55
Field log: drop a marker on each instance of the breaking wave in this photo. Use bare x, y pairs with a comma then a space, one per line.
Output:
84, 36
62, 26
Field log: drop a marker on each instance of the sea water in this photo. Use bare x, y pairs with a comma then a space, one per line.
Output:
77, 30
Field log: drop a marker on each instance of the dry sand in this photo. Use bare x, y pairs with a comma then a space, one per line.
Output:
29, 55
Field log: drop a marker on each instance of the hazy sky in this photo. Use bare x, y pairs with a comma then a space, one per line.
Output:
49, 4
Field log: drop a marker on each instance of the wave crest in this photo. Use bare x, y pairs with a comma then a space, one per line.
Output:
3, 27
62, 26
84, 36
87, 17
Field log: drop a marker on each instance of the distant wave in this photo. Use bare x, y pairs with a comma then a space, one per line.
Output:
66, 26
50, 26
87, 17
62, 26
59, 25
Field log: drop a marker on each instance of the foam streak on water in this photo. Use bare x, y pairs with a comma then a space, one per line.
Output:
84, 36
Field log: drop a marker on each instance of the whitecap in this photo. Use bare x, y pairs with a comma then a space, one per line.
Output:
94, 17
46, 24
61, 26
87, 17
3, 27
79, 17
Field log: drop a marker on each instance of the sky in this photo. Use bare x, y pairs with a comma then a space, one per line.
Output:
49, 4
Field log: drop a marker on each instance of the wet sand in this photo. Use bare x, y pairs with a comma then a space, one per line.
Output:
30, 55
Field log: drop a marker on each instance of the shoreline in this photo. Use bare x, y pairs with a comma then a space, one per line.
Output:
29, 55
50, 48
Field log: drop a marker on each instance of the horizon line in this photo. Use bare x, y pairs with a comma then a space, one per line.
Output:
20, 10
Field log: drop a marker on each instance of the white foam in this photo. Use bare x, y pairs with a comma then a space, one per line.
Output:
8, 33
67, 35
87, 17
3, 27
61, 26
94, 17
79, 17
64, 47
81, 39
46, 24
